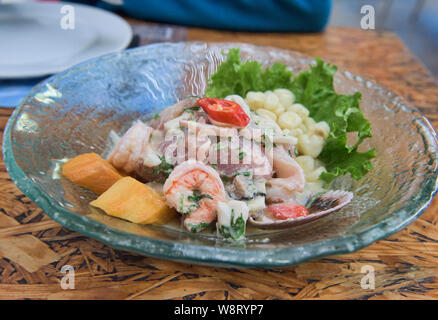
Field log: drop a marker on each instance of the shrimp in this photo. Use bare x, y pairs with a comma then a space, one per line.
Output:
131, 147
194, 190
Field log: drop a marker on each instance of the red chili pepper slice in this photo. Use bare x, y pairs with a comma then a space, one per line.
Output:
285, 211
224, 111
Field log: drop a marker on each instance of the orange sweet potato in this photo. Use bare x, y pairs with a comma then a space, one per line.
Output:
91, 171
134, 201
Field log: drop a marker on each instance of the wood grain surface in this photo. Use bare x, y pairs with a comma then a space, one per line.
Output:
33, 248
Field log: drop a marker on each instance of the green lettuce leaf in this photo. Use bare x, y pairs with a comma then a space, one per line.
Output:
235, 77
314, 89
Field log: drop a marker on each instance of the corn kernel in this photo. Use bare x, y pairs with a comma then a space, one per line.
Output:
279, 110
314, 175
303, 127
289, 120
309, 122
297, 132
310, 145
285, 96
299, 109
271, 101
255, 100
321, 129
307, 163
283, 91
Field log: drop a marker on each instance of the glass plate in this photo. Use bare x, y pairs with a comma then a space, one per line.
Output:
73, 112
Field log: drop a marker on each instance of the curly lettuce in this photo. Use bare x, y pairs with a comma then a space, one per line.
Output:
314, 89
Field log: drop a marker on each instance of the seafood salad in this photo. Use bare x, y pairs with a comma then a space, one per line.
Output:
260, 154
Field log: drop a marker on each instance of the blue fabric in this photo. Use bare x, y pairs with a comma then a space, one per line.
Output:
247, 15
12, 91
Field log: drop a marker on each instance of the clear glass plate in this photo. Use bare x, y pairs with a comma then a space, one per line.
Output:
74, 111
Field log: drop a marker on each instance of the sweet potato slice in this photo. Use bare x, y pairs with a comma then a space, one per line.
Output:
91, 171
134, 201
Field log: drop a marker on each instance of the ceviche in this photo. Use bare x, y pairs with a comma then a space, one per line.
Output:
261, 148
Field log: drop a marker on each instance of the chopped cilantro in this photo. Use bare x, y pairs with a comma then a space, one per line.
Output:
191, 110
194, 228
236, 230
244, 173
268, 142
196, 197
164, 167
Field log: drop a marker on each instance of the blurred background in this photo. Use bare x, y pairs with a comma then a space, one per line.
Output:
414, 21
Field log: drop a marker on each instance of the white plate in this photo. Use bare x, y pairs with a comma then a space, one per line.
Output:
33, 43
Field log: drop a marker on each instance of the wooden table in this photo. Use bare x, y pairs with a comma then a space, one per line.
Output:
34, 248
